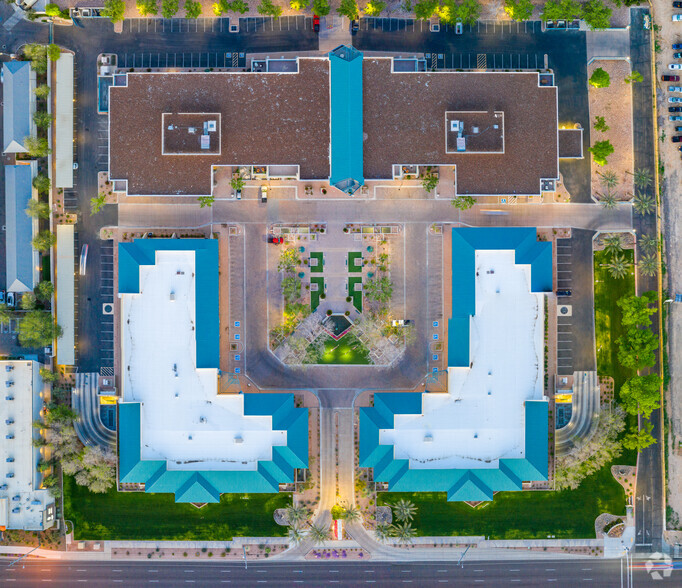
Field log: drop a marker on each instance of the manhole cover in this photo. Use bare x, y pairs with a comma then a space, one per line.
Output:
564, 310
107, 308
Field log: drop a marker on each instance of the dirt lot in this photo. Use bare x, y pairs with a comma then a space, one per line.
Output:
672, 226
615, 105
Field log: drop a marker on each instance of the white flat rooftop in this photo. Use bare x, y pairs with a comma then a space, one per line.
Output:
183, 419
481, 418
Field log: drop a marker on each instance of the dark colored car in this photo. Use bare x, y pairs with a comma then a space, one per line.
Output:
677, 4
354, 26
670, 78
316, 23
675, 109
677, 46
677, 139
563, 292
678, 129
677, 55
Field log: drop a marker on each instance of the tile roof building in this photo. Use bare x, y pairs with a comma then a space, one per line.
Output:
489, 432
345, 118
176, 433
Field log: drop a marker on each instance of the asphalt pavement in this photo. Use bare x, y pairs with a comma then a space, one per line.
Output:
507, 45
575, 572
649, 499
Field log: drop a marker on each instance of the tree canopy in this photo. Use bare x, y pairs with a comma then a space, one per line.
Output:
637, 310
636, 349
518, 10
596, 14
641, 394
600, 78
600, 151
114, 10
37, 329
289, 260
349, 9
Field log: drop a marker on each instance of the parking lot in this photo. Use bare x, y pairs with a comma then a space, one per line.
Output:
484, 27
202, 60
216, 25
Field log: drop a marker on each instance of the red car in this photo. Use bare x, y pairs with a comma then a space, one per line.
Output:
670, 78
677, 139
316, 23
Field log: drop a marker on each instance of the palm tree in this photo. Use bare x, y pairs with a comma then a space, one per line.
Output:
648, 243
613, 244
609, 178
296, 514
404, 510
642, 177
352, 513
644, 203
296, 535
404, 531
648, 265
608, 200
318, 535
383, 532
618, 267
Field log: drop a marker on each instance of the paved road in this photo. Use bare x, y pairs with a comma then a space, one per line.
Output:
510, 45
585, 216
84, 400
585, 408
578, 572
649, 499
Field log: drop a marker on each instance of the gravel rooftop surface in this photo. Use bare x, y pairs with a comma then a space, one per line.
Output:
404, 120
571, 143
267, 119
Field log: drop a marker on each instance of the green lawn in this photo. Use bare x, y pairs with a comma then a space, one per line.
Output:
355, 295
139, 516
519, 515
315, 294
354, 261
347, 350
318, 266
608, 328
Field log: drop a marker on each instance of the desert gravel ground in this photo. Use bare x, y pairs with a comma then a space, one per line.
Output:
615, 105
672, 226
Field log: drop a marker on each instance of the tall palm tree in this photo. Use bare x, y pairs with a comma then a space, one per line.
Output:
404, 510
608, 200
609, 178
648, 265
318, 535
648, 243
644, 203
618, 267
352, 513
643, 177
296, 513
613, 244
404, 531
296, 535
383, 532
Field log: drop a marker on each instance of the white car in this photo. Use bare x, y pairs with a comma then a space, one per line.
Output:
675, 66
677, 17
674, 88
674, 99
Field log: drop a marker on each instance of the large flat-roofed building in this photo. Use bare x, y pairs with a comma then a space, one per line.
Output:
489, 432
342, 118
176, 433
23, 504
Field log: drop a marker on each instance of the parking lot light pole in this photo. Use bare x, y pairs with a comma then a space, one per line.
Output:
246, 565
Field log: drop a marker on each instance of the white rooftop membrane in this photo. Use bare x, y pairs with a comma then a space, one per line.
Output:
481, 418
183, 419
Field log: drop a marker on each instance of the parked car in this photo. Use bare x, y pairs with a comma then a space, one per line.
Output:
677, 55
677, 46
675, 66
674, 108
238, 194
674, 88
674, 99
2, 297
670, 78
354, 26
459, 28
677, 4
11, 302
677, 139
678, 129
675, 118
316, 23
563, 292
677, 17
264, 190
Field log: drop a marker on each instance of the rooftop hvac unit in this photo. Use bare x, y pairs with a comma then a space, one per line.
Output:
10, 475
9, 397
192, 130
9, 384
10, 436
461, 144
456, 126
212, 126
474, 130
9, 421
9, 368
205, 141
10, 460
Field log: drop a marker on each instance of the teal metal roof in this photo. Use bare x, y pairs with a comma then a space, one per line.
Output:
469, 485
346, 119
207, 486
143, 252
465, 242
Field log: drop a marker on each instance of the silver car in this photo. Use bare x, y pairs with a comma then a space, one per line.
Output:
674, 88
